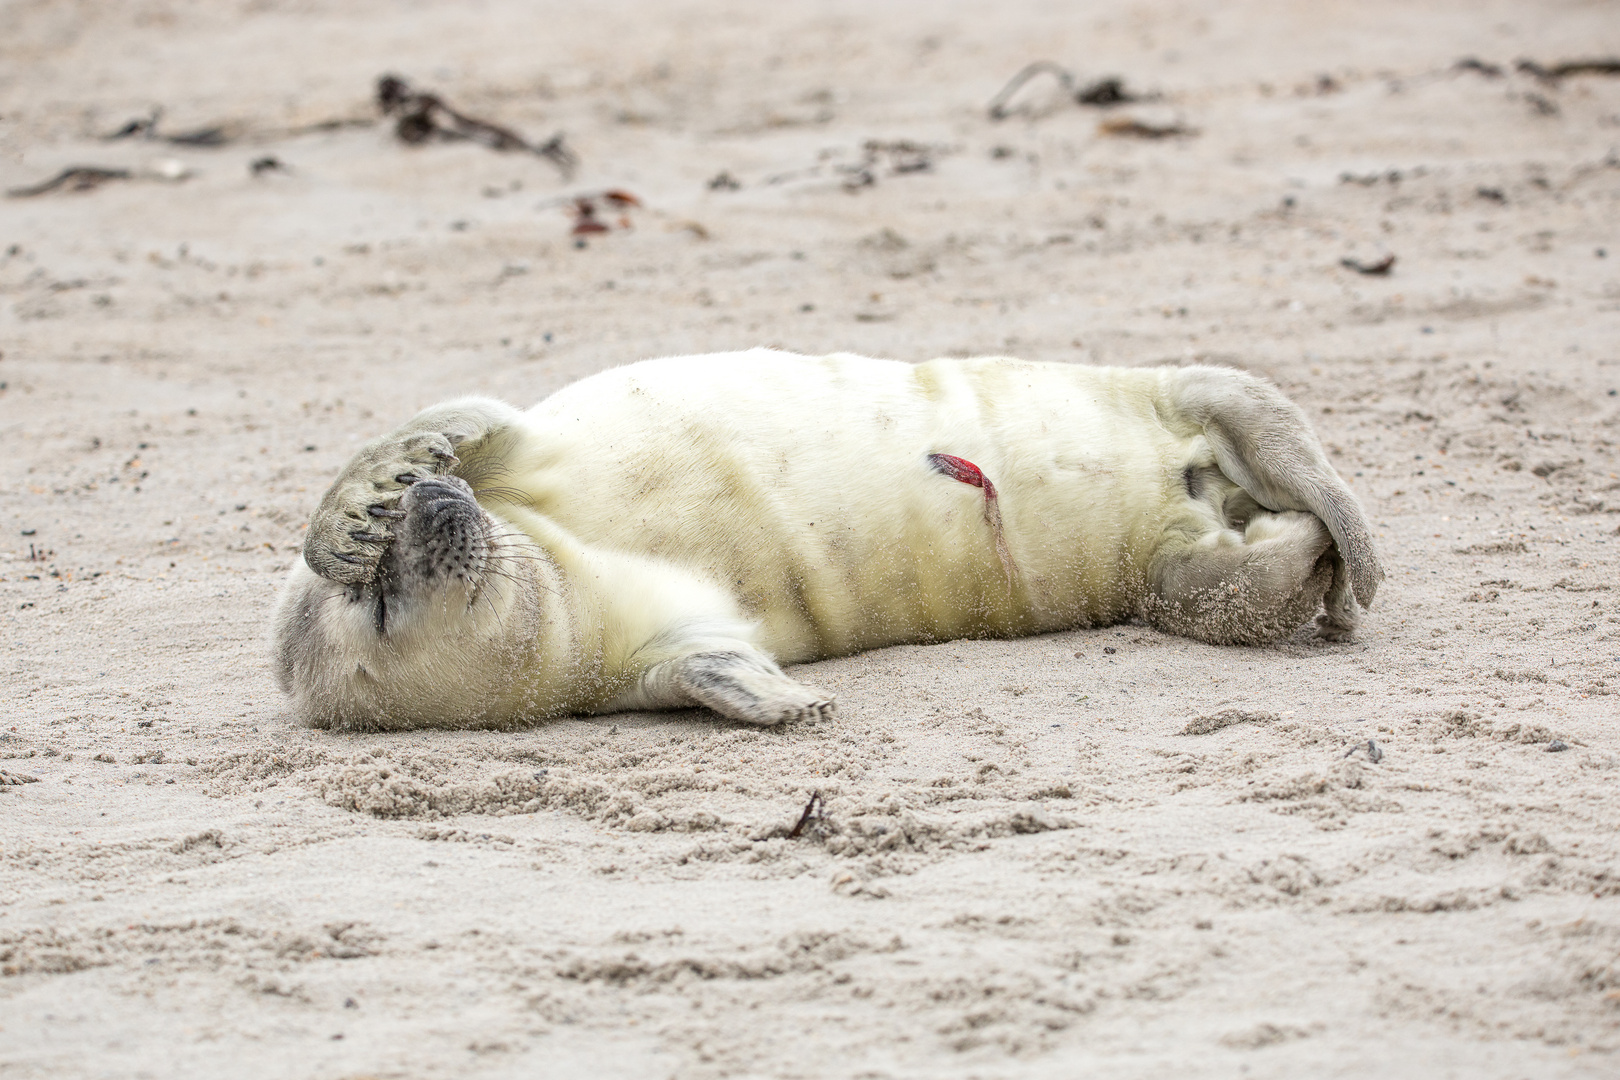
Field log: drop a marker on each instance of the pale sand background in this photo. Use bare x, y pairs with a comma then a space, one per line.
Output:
1026, 870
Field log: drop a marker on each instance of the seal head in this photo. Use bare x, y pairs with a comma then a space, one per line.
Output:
437, 632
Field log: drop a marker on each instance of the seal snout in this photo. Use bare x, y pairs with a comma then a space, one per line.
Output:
443, 536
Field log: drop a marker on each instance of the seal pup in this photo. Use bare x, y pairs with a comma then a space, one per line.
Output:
667, 533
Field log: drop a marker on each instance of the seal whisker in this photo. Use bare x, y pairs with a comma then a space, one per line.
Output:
479, 594
516, 580
501, 492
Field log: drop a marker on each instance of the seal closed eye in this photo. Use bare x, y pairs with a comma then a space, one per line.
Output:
641, 539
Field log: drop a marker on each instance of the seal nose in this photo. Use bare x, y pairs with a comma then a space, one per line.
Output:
444, 533
436, 495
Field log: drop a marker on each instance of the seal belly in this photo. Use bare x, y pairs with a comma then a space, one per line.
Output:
804, 487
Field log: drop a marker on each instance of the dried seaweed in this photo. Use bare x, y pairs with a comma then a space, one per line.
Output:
422, 116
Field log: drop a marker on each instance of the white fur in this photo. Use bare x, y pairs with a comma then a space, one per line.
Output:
671, 530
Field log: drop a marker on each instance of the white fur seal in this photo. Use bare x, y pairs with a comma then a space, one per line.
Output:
665, 534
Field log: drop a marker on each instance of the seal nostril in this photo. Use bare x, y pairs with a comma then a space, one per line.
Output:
448, 521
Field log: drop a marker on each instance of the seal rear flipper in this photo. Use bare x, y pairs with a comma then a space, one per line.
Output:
1338, 618
1263, 443
1249, 588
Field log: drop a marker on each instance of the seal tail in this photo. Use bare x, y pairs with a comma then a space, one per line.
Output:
1264, 444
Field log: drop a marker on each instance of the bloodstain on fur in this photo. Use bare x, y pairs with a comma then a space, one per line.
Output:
964, 471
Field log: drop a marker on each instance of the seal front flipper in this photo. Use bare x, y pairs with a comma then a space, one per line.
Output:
712, 664
351, 529
748, 686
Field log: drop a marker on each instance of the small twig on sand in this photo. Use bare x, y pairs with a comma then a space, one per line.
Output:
1130, 127
141, 125
1474, 63
75, 178
1375, 753
812, 812
423, 116
336, 123
1381, 268
1557, 72
209, 136
88, 177
1102, 94
998, 104
147, 128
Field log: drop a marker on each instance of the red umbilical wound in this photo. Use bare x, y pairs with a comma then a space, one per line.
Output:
964, 471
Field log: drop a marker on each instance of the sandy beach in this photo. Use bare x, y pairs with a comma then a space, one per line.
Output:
1106, 852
